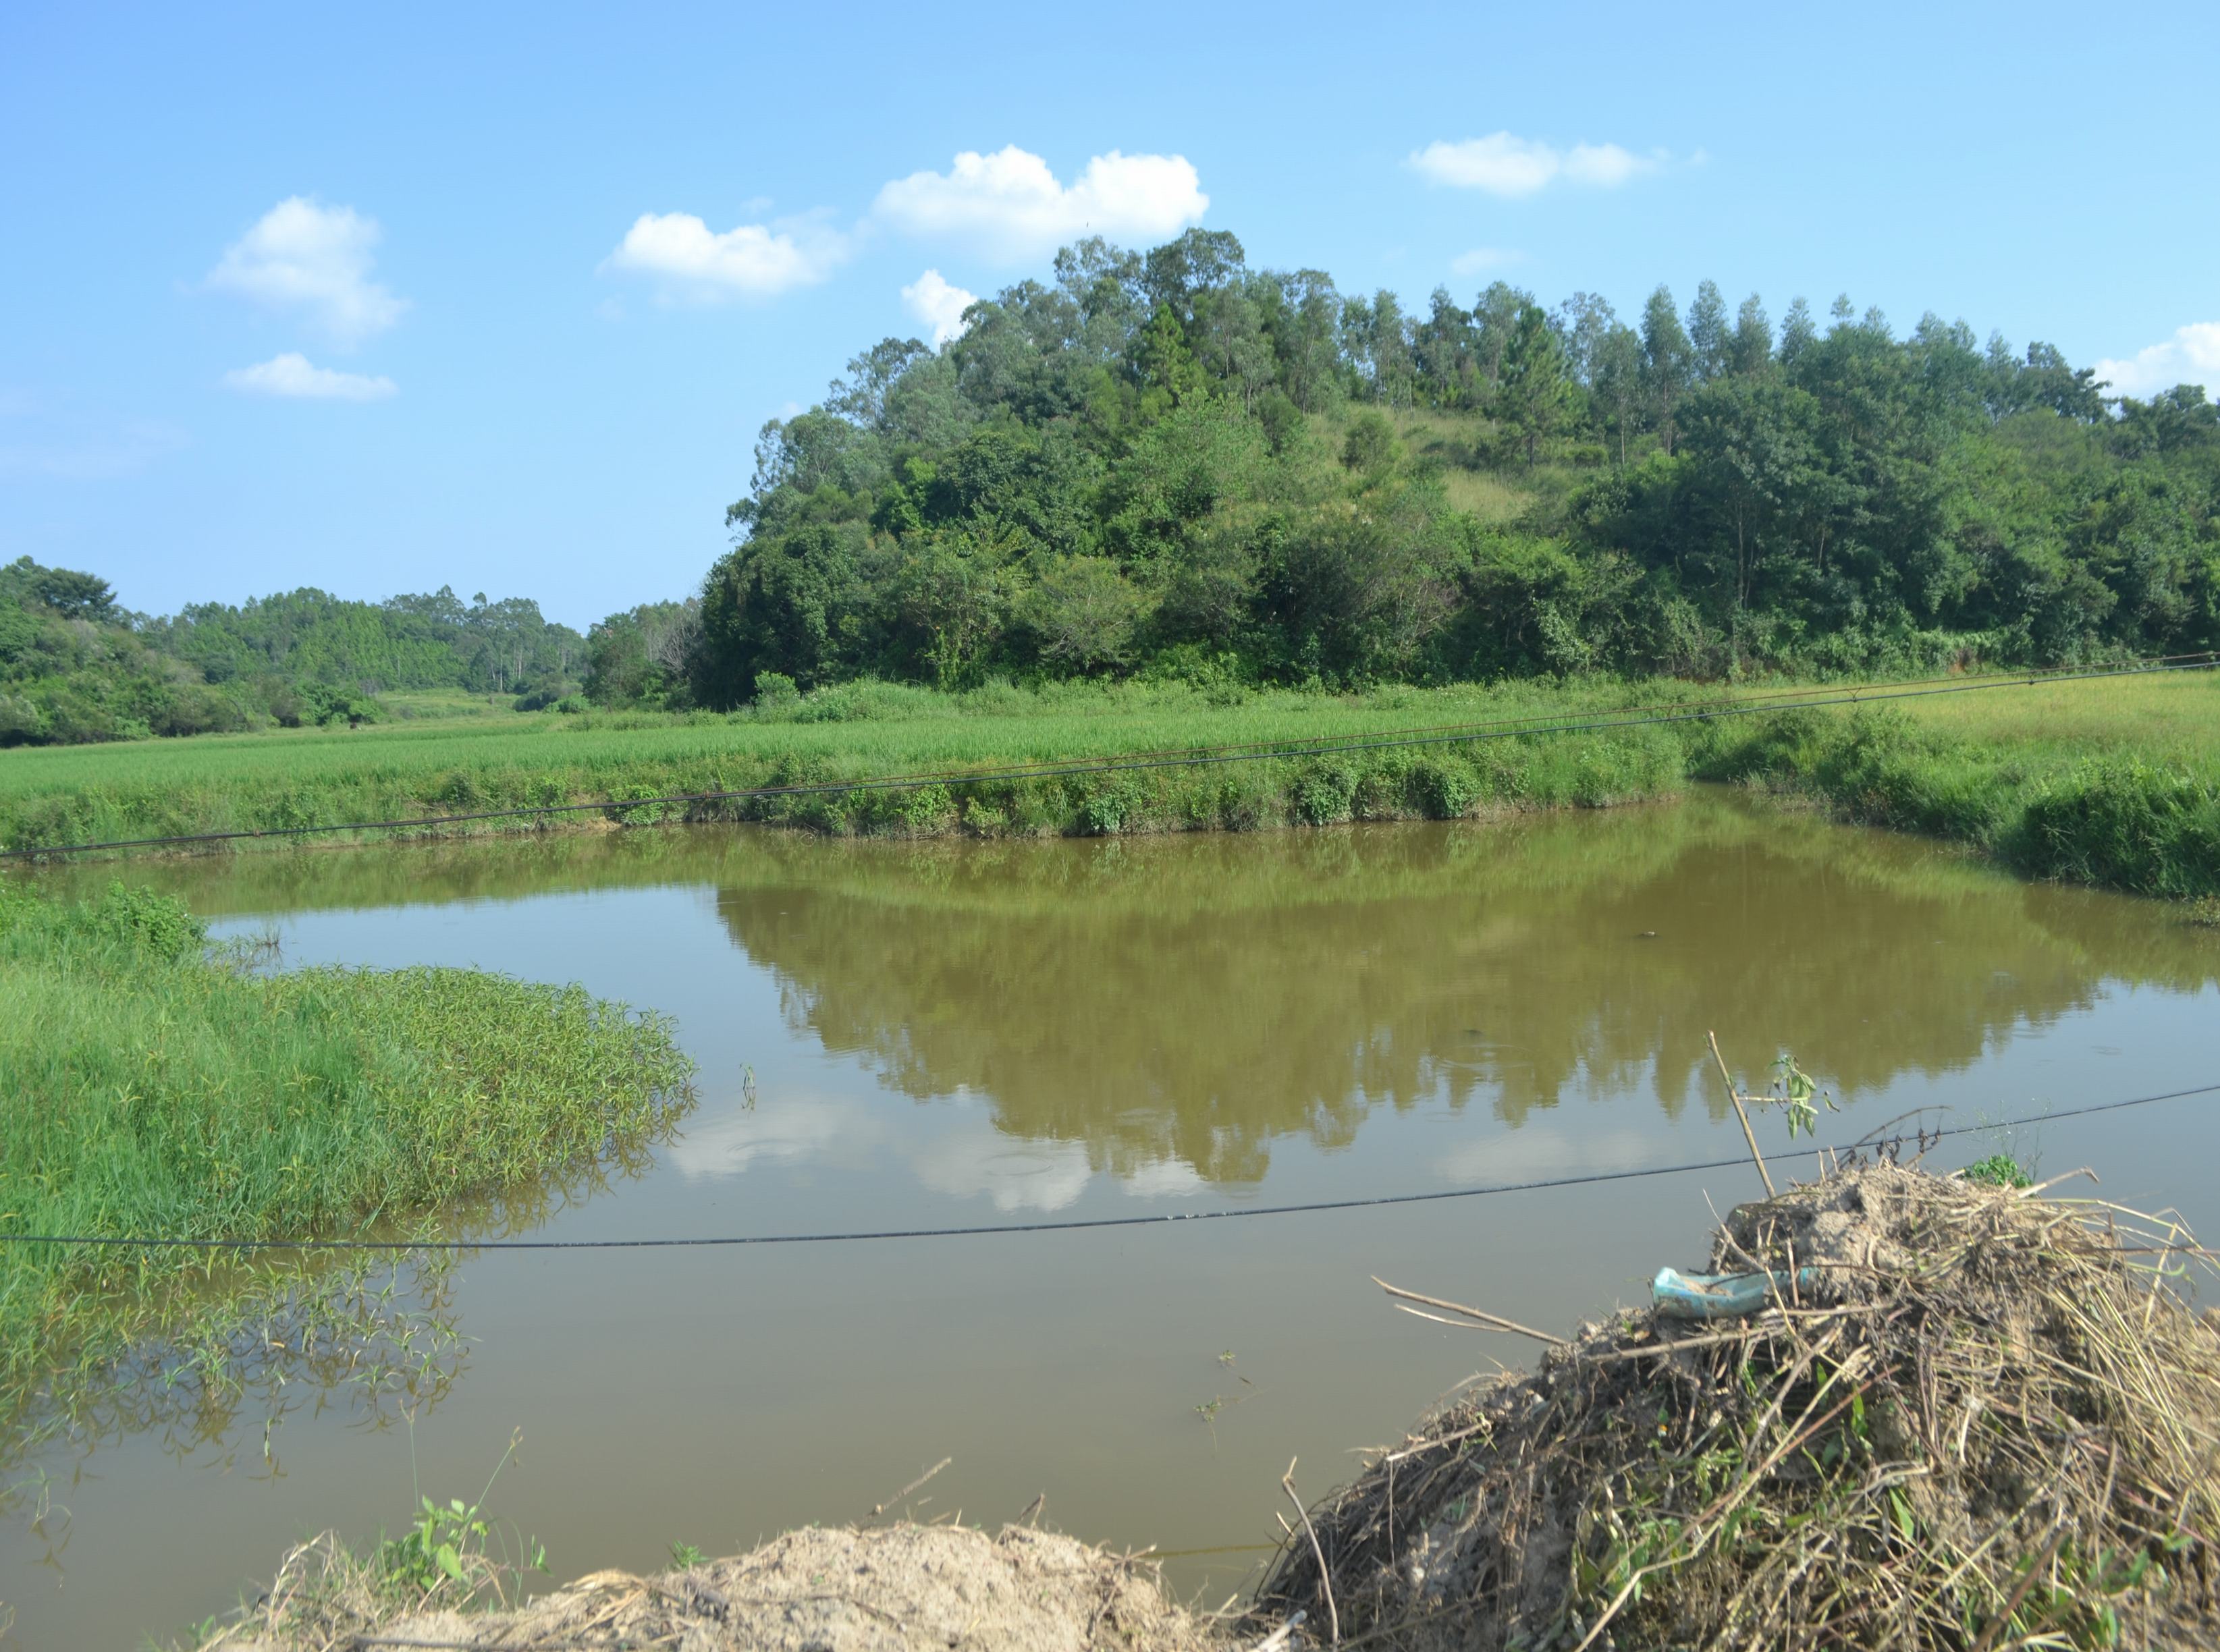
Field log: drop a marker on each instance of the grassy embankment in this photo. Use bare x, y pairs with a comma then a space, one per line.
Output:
147, 1090
2115, 783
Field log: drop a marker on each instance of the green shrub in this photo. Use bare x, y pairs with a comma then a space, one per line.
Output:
1324, 793
2000, 1170
1443, 787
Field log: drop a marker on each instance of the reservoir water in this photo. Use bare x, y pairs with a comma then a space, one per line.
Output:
917, 1036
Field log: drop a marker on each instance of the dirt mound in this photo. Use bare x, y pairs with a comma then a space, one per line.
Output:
1980, 1419
895, 1590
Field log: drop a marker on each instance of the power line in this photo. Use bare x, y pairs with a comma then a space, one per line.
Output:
1510, 728
1075, 1225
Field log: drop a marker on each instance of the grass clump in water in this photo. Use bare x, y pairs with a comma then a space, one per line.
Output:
147, 1090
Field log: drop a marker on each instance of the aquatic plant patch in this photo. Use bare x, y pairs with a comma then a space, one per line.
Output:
148, 1091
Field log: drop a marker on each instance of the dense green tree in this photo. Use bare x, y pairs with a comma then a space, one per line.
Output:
1302, 316
1711, 339
1668, 364
1585, 321
1616, 388
1751, 348
74, 666
1442, 345
1798, 332
640, 656
1535, 397
1374, 333
1083, 615
798, 602
1494, 317
1171, 461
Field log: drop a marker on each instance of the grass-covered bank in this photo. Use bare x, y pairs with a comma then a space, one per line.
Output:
2112, 783
147, 1090
2118, 818
857, 731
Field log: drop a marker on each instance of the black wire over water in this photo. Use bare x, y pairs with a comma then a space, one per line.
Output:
719, 1241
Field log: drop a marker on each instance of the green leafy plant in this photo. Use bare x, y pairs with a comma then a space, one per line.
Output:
444, 1555
1795, 1090
684, 1556
2000, 1170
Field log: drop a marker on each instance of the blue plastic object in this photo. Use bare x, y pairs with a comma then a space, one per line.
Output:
1676, 1295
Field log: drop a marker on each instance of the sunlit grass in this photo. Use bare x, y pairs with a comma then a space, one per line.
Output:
2172, 717
1488, 497
440, 704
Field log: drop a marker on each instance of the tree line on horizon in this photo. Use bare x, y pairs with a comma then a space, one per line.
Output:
76, 667
1171, 466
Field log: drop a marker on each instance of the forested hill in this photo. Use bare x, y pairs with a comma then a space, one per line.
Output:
1173, 463
76, 667
1169, 465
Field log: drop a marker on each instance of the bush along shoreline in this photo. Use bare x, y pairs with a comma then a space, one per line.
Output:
2112, 822
148, 1088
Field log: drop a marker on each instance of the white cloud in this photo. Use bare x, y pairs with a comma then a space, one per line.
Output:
1011, 202
1480, 259
747, 261
2191, 356
778, 1132
315, 260
1504, 165
938, 303
1017, 1175
1166, 1178
1540, 1150
293, 375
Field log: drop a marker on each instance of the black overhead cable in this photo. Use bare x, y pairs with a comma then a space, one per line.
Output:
722, 1241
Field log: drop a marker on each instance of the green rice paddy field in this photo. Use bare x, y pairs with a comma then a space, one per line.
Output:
2111, 781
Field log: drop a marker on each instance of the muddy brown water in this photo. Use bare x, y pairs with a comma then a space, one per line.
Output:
950, 1034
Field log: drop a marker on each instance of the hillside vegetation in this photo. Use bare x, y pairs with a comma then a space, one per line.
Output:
1171, 464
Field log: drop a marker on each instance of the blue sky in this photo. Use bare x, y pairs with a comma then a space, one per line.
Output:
380, 299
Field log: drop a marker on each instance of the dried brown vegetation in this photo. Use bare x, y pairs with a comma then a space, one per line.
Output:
1994, 1422
861, 1591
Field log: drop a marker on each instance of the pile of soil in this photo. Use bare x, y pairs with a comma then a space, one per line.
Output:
899, 1589
1992, 1419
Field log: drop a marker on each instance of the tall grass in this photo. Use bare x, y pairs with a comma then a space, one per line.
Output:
2100, 812
146, 1090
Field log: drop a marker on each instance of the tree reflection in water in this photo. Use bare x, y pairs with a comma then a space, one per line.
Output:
1193, 999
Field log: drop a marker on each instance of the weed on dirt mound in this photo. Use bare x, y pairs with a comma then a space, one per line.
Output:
1968, 1418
